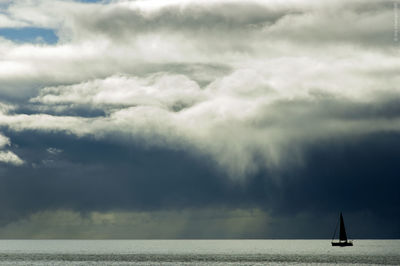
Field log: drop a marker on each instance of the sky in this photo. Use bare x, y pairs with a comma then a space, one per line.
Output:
199, 119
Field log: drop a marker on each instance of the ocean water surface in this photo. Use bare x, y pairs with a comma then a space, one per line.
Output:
197, 252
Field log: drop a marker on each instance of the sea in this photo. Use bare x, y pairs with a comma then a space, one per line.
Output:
197, 252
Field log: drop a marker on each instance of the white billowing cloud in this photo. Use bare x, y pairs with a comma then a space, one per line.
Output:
4, 141
166, 91
6, 156
54, 151
99, 41
244, 121
7, 22
10, 158
274, 75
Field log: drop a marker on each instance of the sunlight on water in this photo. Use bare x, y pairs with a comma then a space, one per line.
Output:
196, 252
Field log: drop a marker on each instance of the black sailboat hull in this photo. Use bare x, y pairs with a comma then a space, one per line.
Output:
342, 244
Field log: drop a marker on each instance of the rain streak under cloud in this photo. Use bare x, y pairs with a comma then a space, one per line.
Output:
256, 116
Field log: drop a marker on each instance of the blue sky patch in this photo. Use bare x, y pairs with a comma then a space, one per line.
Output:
29, 35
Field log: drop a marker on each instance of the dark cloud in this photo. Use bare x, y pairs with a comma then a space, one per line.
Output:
119, 21
358, 173
94, 175
237, 25
358, 176
79, 110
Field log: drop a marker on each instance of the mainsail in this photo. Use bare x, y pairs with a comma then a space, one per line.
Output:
342, 234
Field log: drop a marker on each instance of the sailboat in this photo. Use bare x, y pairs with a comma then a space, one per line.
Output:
343, 242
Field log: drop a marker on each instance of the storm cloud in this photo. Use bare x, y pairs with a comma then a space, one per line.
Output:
280, 112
